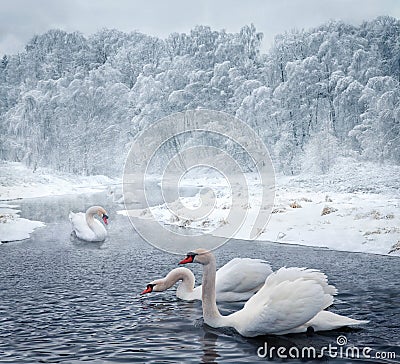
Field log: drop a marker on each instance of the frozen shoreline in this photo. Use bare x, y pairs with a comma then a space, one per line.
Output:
13, 227
356, 208
17, 181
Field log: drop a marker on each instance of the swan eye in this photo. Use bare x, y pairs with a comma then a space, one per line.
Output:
191, 255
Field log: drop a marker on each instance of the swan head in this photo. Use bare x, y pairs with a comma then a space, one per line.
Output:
159, 285
149, 288
201, 256
103, 214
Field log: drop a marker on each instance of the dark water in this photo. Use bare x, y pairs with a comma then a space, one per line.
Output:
68, 301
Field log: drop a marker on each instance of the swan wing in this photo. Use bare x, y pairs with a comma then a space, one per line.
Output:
80, 226
78, 221
293, 273
289, 298
242, 275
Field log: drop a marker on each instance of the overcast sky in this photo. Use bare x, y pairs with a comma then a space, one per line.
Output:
21, 19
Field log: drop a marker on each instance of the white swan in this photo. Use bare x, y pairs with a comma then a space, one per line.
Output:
291, 301
236, 281
86, 227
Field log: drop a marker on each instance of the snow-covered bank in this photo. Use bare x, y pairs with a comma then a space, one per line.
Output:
356, 207
360, 222
13, 227
17, 181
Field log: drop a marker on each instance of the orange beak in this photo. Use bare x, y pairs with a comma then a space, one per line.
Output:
188, 259
149, 289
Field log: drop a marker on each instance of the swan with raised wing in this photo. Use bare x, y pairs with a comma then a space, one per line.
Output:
86, 227
292, 300
236, 281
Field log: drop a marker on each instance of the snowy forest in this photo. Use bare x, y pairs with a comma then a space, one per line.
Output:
75, 103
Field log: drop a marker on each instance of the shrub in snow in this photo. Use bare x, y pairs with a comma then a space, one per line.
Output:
295, 205
279, 210
328, 210
395, 248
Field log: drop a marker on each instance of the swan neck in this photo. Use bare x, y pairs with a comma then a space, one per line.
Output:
89, 215
185, 275
180, 274
211, 314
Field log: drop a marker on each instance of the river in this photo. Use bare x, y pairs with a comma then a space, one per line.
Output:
63, 300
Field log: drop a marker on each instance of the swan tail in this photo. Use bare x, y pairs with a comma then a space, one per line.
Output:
326, 320
354, 322
348, 321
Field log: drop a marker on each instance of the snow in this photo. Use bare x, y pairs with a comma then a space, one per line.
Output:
13, 227
17, 182
355, 207
364, 199
360, 222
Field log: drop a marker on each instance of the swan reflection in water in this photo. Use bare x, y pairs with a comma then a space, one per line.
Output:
209, 347
305, 346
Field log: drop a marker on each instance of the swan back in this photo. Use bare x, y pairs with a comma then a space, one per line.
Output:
242, 276
290, 298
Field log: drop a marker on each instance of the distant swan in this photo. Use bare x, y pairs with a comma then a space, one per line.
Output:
292, 300
86, 227
236, 281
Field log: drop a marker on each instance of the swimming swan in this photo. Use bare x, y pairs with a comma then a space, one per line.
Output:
86, 227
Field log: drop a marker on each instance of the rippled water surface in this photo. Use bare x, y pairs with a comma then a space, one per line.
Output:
62, 300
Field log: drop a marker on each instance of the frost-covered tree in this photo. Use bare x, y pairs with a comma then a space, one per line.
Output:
320, 153
379, 130
75, 103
